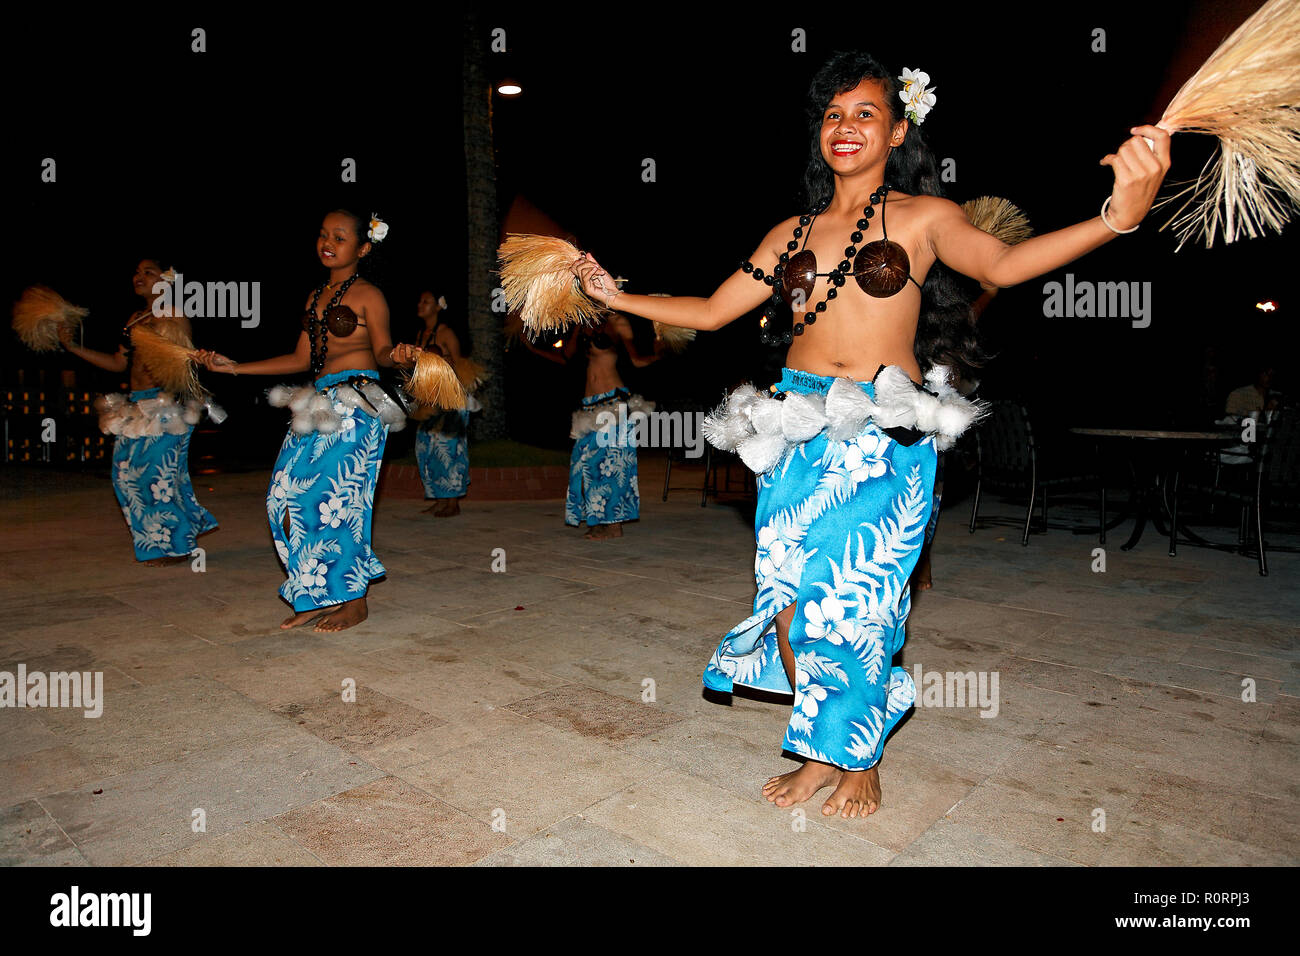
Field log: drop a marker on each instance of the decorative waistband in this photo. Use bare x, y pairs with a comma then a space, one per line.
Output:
326, 406
334, 378
762, 427
151, 412
602, 411
622, 393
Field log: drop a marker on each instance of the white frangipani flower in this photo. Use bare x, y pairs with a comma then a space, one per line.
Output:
915, 95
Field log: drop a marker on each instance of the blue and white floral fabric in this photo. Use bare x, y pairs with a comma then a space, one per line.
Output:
442, 453
839, 526
151, 472
603, 485
323, 489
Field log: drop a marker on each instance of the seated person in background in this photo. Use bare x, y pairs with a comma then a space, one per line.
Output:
1253, 398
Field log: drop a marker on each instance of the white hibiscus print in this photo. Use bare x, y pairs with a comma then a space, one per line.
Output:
826, 620
771, 551
313, 573
596, 503
807, 695
331, 512
280, 485
862, 458
162, 490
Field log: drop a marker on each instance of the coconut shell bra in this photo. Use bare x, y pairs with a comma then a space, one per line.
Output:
881, 269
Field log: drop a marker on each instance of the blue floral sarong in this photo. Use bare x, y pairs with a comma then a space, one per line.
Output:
603, 485
323, 488
839, 529
151, 479
442, 453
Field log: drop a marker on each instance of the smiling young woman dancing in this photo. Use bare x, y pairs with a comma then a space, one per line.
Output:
845, 443
322, 492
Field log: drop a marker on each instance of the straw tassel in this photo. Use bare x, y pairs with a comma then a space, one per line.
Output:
1248, 95
168, 354
37, 315
999, 217
538, 281
433, 382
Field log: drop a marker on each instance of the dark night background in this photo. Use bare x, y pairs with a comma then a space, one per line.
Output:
223, 163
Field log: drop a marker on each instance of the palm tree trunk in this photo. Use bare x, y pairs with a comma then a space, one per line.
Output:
482, 227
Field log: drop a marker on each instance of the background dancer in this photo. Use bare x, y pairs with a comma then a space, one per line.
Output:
151, 469
321, 498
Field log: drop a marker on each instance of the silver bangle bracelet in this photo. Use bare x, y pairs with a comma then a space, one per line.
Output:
1119, 232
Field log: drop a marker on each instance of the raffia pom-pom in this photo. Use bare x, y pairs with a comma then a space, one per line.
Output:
674, 337
470, 373
1248, 95
538, 281
37, 315
433, 382
1000, 218
171, 363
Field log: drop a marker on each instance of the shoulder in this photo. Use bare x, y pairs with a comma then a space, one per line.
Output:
446, 332
784, 228
366, 295
932, 208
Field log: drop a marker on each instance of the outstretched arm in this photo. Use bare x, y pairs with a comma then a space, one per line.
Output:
109, 362
1139, 170
299, 360
736, 296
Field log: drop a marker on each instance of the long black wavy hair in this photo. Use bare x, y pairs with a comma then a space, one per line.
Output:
945, 333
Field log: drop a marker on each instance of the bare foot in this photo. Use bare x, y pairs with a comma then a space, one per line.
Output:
163, 562
345, 615
303, 617
432, 509
600, 532
858, 794
451, 508
798, 785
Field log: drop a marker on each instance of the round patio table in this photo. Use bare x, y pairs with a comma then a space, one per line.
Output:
1156, 454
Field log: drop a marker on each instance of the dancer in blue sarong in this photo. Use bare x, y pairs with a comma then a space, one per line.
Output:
321, 499
606, 428
151, 471
442, 441
846, 441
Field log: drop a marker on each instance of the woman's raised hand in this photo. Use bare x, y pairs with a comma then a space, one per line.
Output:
1139, 169
596, 282
405, 355
215, 361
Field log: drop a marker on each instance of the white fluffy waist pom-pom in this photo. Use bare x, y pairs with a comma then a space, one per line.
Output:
725, 430
762, 452
301, 398
279, 396
802, 415
956, 416
742, 398
847, 409
348, 395
897, 397
927, 412
302, 423
765, 416
192, 413
325, 420
939, 380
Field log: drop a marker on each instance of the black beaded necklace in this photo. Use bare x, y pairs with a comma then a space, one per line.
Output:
316, 323
800, 272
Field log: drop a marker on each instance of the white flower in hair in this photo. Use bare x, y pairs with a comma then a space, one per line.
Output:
915, 95
378, 228
169, 275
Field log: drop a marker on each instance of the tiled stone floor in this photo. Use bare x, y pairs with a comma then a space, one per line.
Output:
501, 719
